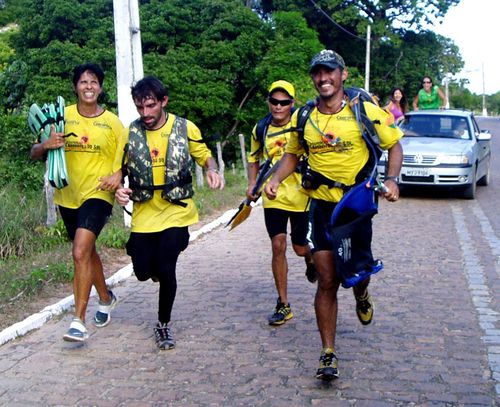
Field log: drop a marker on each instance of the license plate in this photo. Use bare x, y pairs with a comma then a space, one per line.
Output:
417, 173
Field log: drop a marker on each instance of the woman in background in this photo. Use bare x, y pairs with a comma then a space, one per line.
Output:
398, 105
429, 96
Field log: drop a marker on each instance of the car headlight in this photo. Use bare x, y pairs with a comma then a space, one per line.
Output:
455, 159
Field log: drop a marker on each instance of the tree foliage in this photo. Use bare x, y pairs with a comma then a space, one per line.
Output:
217, 57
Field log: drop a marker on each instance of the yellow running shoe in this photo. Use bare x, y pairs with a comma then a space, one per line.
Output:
364, 308
282, 313
328, 365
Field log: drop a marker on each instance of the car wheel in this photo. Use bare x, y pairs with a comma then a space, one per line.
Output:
470, 190
485, 179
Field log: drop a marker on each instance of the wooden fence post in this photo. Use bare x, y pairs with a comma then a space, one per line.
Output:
243, 154
199, 175
49, 196
220, 160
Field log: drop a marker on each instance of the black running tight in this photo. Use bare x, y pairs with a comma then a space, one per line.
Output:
154, 255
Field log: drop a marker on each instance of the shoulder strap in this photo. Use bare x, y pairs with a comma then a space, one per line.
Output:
357, 97
303, 115
261, 129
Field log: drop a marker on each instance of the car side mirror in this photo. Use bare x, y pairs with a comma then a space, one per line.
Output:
484, 136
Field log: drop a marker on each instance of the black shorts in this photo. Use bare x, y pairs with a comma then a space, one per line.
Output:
277, 220
320, 213
154, 254
92, 215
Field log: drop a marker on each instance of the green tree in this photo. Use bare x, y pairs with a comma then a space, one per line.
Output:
493, 103
55, 36
342, 26
417, 55
6, 51
218, 57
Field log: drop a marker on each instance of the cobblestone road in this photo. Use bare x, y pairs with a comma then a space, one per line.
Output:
431, 342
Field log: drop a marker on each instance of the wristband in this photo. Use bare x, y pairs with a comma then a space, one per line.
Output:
213, 170
395, 179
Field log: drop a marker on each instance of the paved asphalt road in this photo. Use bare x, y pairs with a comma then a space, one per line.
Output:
434, 341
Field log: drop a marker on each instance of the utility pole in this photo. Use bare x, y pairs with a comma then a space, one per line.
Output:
129, 68
367, 60
446, 80
485, 112
128, 50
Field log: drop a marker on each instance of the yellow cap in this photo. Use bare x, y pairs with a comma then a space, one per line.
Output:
283, 85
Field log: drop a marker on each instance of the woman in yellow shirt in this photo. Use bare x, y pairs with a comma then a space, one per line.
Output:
85, 204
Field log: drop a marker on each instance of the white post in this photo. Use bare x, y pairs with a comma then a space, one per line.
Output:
243, 154
199, 175
367, 60
129, 68
49, 196
447, 79
485, 112
128, 55
220, 160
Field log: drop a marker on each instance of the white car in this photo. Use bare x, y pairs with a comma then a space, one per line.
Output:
444, 148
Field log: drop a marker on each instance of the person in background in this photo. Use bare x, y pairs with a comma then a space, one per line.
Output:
460, 129
398, 105
85, 204
158, 163
429, 96
291, 204
337, 153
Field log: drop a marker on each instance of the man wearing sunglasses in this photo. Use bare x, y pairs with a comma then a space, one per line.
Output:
269, 138
338, 152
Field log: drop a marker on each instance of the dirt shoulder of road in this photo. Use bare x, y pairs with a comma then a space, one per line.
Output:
112, 260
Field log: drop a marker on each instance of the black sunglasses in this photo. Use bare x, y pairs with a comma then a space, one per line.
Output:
276, 102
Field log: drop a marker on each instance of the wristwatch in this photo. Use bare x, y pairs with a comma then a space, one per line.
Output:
395, 179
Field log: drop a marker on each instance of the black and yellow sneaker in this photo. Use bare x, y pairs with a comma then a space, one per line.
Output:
282, 313
364, 308
328, 365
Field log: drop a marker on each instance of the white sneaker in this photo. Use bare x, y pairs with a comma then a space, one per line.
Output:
103, 315
77, 331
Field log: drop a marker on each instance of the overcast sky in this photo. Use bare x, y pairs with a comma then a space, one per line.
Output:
474, 26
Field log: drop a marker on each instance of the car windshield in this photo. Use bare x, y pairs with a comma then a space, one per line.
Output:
436, 126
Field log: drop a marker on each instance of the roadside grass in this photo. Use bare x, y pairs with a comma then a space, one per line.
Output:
35, 259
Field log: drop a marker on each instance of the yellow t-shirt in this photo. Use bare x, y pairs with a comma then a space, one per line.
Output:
291, 196
90, 154
157, 214
343, 160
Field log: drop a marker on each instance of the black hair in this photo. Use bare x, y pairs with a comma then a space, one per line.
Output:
426, 77
404, 102
89, 66
147, 87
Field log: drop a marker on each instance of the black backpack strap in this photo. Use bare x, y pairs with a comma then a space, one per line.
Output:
302, 116
357, 97
261, 131
124, 164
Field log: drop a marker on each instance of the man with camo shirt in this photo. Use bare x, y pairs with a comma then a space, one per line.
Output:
159, 147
